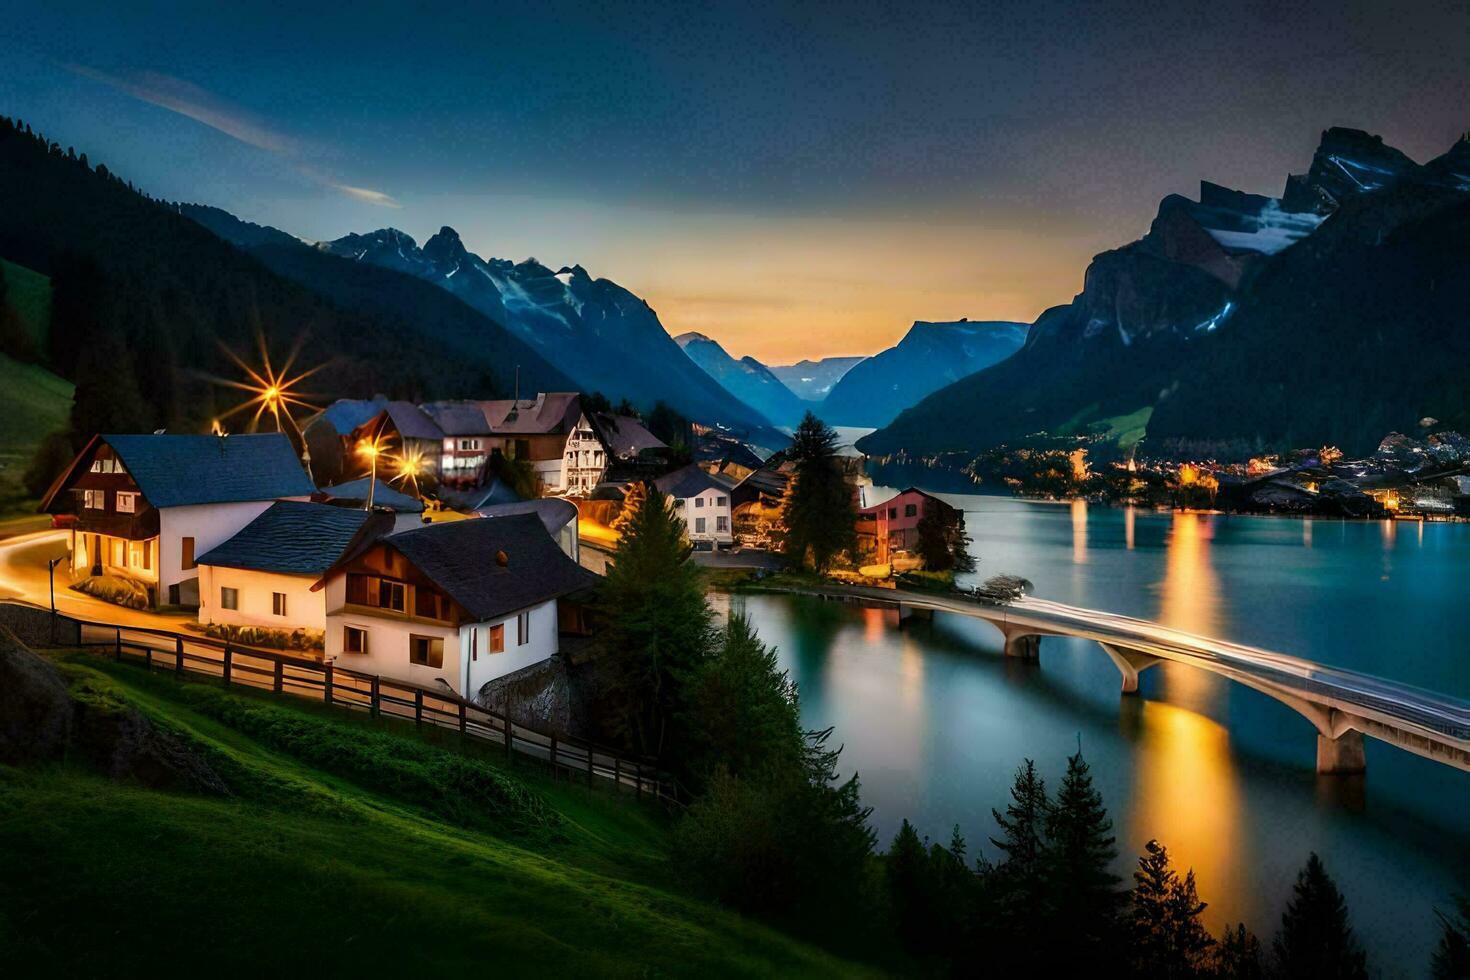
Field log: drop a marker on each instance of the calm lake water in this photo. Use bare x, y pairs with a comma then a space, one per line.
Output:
935, 719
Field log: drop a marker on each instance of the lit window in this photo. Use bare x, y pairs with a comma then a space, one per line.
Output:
186, 554
94, 499
426, 651
119, 552
474, 643
139, 555
354, 640
278, 603
127, 503
523, 629
229, 598
497, 638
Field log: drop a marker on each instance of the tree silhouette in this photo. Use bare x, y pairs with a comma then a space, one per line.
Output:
1079, 854
1316, 939
1165, 935
817, 509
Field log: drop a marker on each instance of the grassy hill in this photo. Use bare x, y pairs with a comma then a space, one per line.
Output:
33, 403
29, 293
344, 845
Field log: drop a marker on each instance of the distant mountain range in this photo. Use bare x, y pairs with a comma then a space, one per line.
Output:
599, 333
812, 380
1330, 315
930, 356
747, 379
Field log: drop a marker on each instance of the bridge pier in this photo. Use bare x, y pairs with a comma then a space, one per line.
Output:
1023, 646
1130, 664
1342, 755
907, 612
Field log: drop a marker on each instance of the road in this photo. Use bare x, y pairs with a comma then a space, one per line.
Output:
23, 578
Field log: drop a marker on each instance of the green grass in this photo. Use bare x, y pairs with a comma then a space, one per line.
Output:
33, 403
347, 845
1123, 430
30, 294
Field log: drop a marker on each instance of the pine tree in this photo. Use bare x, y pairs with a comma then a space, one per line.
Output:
1452, 955
1166, 938
1316, 939
906, 872
1238, 955
817, 509
1079, 854
658, 624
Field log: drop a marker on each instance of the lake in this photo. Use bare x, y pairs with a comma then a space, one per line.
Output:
935, 719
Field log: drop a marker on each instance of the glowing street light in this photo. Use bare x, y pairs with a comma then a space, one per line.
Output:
370, 449
271, 391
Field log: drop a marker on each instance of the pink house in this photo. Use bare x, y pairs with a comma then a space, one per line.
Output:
893, 525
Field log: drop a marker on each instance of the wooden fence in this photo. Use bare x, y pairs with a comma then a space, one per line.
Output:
328, 683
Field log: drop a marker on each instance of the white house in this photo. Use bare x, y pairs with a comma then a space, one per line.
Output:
558, 515
456, 604
703, 501
263, 575
143, 507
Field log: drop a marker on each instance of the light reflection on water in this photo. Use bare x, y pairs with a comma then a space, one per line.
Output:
935, 719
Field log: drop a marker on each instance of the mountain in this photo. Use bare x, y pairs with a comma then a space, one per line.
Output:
930, 356
812, 380
747, 379
1241, 322
145, 302
599, 333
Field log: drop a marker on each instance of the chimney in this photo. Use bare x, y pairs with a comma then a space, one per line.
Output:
502, 559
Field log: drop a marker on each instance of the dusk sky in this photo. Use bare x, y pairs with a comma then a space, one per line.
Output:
793, 179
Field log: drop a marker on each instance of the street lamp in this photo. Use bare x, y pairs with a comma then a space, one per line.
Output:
51, 574
370, 450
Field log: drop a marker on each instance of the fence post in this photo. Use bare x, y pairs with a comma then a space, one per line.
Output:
553, 757
148, 658
463, 721
618, 771
327, 681
280, 678
505, 720
638, 779
117, 644
589, 765
229, 656
418, 706
377, 702
178, 654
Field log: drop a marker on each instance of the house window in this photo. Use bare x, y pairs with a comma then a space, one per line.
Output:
119, 552
357, 589
354, 640
474, 644
722, 523
892, 513
722, 501
106, 466
278, 603
910, 510
94, 499
426, 651
698, 502
138, 555
391, 595
229, 598
497, 638
127, 503
186, 556
429, 604
699, 525
523, 629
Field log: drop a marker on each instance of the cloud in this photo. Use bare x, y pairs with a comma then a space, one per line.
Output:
188, 99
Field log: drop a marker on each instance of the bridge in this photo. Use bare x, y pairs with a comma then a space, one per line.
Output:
1342, 705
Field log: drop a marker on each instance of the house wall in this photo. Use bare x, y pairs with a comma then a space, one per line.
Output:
387, 642
706, 504
209, 525
304, 608
543, 641
139, 558
585, 459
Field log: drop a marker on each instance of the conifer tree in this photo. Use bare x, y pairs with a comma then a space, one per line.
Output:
1079, 855
1166, 938
817, 509
632, 501
1452, 955
905, 873
1316, 939
658, 624
1238, 955
1017, 886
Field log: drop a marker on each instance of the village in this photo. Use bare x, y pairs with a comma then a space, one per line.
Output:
451, 545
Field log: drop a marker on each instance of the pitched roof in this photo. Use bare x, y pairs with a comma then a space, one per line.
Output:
625, 436
555, 512
297, 538
688, 482
383, 495
177, 470
459, 418
412, 422
346, 414
497, 491
549, 412
460, 558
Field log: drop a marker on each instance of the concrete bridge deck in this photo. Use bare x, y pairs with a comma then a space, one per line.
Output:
1342, 705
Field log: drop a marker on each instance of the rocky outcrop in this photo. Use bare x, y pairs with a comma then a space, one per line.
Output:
125, 746
36, 710
537, 696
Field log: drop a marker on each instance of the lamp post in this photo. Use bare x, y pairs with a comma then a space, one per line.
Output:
273, 402
51, 574
370, 450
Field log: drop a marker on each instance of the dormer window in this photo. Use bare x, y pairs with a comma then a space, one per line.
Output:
127, 503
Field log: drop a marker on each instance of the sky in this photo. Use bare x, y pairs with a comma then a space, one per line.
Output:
793, 179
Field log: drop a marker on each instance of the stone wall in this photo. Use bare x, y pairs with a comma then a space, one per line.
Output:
535, 697
36, 627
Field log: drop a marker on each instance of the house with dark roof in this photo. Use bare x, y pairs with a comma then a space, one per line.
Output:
263, 575
408, 510
401, 430
467, 436
456, 604
703, 501
143, 507
329, 434
558, 515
